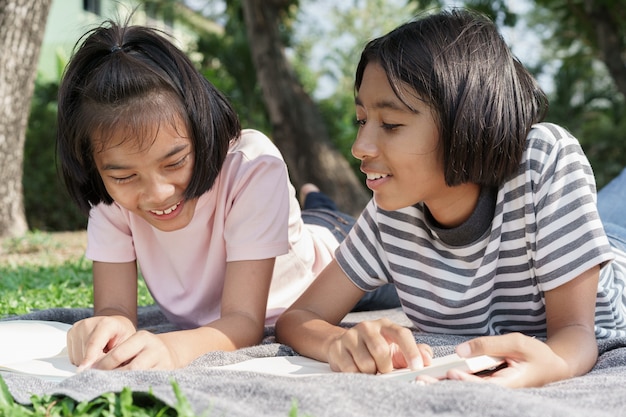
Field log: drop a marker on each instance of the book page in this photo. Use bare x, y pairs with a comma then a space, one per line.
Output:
299, 366
36, 348
295, 366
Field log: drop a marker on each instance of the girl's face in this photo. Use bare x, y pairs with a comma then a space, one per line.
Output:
149, 177
400, 153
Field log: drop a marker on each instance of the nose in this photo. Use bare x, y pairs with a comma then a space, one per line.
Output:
158, 190
364, 145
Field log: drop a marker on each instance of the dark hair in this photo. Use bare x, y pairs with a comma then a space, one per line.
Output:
483, 99
132, 78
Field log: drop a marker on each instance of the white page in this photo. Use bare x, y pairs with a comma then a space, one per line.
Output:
282, 365
298, 366
35, 347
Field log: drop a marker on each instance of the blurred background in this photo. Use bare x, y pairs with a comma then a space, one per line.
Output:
288, 68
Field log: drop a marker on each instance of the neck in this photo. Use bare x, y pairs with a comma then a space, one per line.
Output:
456, 207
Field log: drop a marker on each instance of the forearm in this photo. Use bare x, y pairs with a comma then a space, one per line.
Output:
115, 290
228, 333
307, 333
117, 312
577, 347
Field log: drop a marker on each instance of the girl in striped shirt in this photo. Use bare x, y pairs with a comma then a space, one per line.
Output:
483, 218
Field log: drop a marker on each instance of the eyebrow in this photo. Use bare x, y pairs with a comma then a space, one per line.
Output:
172, 152
385, 104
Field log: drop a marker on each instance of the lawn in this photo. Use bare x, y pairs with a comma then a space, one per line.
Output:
44, 270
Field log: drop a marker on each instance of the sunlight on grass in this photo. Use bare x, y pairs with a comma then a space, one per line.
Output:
37, 276
29, 287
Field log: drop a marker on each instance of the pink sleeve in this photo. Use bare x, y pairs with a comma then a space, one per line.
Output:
256, 224
109, 238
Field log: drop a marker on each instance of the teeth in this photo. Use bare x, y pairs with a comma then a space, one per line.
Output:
166, 211
375, 176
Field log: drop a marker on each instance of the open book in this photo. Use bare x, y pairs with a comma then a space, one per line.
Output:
36, 348
298, 366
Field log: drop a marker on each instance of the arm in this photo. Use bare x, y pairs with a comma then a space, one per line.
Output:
310, 327
115, 313
242, 321
570, 349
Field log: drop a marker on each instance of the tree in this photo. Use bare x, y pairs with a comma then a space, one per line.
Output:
298, 128
601, 26
22, 26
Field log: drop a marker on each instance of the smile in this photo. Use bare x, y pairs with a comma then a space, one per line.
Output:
375, 176
166, 211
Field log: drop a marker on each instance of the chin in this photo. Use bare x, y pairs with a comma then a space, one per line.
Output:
387, 205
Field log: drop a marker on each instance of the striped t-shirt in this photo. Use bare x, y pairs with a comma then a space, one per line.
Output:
542, 231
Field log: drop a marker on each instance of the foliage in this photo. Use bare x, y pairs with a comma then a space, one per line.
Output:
45, 199
354, 24
585, 98
227, 63
125, 403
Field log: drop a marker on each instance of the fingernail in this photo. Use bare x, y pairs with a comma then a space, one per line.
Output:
83, 366
418, 382
464, 350
417, 363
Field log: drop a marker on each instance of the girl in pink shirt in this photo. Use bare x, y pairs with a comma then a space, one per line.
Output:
173, 187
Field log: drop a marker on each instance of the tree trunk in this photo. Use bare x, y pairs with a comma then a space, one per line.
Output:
22, 26
604, 24
298, 127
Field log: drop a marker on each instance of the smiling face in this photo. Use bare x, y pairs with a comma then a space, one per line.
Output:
148, 177
400, 152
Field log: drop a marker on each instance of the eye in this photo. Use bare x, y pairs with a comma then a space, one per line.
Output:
360, 122
389, 126
180, 163
122, 180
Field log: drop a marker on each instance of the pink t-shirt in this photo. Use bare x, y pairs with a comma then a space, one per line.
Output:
251, 212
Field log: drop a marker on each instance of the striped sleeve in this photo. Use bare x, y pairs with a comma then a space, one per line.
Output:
359, 254
569, 235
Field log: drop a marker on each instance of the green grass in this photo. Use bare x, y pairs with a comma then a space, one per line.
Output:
33, 287
126, 404
44, 283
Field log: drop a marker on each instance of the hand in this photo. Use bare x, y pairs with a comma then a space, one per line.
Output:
142, 350
90, 339
530, 362
377, 346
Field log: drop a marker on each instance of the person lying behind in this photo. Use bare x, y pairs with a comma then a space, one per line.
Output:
483, 218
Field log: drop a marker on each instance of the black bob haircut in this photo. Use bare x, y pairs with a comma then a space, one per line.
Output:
133, 78
483, 99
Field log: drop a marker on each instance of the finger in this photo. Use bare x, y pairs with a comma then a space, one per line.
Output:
72, 352
409, 354
370, 351
458, 375
119, 356
426, 352
509, 345
94, 348
426, 379
341, 350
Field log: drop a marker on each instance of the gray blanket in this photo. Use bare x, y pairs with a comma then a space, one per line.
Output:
215, 392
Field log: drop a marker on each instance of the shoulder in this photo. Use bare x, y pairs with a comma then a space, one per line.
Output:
253, 144
552, 152
252, 159
549, 141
